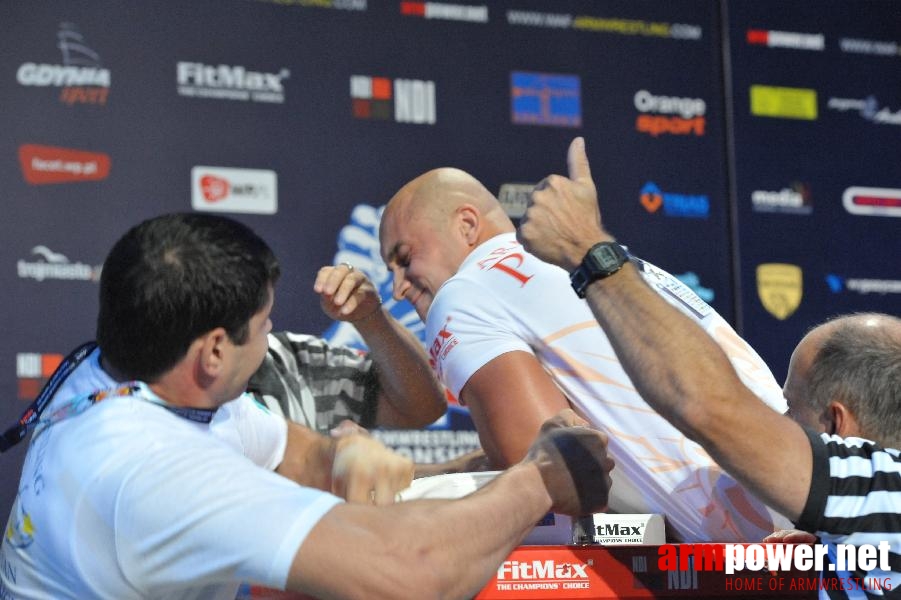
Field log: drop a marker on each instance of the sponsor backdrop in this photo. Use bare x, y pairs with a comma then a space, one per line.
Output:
816, 89
744, 147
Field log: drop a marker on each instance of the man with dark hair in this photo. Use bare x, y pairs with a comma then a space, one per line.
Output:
164, 488
830, 470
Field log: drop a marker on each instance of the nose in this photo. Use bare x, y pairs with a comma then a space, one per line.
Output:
400, 284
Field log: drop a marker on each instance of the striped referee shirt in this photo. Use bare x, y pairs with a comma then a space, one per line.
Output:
308, 381
855, 498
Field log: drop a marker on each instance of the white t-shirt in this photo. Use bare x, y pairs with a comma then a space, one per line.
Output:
128, 500
503, 299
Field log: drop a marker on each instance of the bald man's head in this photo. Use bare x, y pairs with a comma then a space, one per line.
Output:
855, 360
437, 194
429, 228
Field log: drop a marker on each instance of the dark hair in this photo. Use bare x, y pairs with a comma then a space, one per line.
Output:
173, 278
859, 365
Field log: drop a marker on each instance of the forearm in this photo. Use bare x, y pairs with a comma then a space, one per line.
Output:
684, 375
424, 548
465, 463
308, 458
410, 395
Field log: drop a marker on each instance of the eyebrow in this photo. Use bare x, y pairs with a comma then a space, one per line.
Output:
392, 254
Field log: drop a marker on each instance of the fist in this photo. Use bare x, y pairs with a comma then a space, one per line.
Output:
345, 293
365, 471
574, 465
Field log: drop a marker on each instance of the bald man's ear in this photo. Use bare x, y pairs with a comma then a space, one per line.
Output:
844, 423
469, 222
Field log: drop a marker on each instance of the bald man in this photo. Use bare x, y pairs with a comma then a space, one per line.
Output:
511, 341
844, 379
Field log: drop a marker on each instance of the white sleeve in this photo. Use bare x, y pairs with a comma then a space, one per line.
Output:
212, 518
263, 434
751, 369
467, 328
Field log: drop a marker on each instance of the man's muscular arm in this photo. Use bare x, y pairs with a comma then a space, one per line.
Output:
453, 546
509, 398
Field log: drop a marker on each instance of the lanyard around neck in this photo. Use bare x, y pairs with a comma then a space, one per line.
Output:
131, 389
32, 416
29, 418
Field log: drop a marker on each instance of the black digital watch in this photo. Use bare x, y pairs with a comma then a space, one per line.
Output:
602, 260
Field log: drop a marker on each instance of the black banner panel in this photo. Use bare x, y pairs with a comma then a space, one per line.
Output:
756, 162
816, 89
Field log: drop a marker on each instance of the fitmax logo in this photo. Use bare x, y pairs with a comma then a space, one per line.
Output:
619, 529
541, 569
444, 342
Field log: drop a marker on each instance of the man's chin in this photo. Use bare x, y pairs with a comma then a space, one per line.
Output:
422, 309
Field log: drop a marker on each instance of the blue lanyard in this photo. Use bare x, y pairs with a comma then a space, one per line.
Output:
31, 418
133, 389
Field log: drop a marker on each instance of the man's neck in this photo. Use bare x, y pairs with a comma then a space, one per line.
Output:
113, 372
181, 391
173, 387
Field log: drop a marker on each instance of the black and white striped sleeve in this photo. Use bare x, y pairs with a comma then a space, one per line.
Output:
313, 383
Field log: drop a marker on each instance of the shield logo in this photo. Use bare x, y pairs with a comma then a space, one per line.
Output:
780, 287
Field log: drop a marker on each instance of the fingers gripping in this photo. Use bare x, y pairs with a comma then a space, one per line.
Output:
365, 471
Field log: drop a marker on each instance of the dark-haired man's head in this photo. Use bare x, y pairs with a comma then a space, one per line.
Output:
173, 278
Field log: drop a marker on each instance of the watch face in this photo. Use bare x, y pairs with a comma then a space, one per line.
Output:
602, 260
607, 258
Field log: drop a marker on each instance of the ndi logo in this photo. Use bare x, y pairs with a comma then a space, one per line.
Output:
400, 100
